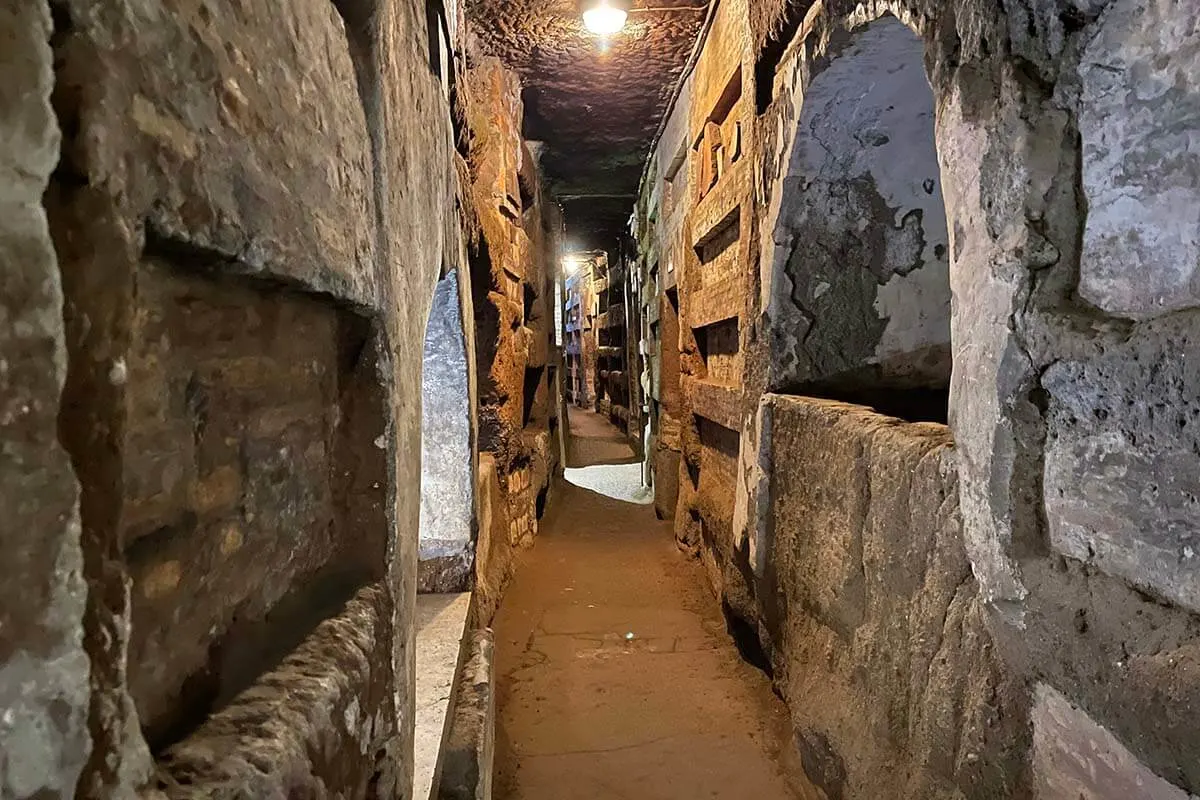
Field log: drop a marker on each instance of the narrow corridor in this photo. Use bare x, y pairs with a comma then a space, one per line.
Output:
644, 399
615, 675
594, 440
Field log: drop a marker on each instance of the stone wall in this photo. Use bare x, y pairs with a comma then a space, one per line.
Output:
225, 262
877, 633
712, 286
664, 199
44, 741
1070, 405
860, 286
514, 265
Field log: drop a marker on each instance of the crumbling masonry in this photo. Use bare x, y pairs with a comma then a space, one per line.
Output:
936, 290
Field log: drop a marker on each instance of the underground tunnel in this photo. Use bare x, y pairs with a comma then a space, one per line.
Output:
600, 398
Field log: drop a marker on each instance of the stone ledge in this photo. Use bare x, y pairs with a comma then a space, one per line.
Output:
714, 402
464, 770
318, 725
440, 622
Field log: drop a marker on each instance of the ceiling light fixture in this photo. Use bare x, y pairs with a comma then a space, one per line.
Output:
605, 17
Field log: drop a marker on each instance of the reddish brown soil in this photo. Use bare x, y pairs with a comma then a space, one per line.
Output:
595, 440
587, 711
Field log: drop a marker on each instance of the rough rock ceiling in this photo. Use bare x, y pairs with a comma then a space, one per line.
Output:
595, 107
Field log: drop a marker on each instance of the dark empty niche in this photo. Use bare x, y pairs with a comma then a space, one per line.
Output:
720, 143
533, 381
909, 403
724, 235
254, 482
772, 53
718, 345
435, 27
528, 197
530, 299
745, 638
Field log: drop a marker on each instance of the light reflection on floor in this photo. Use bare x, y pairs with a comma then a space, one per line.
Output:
618, 481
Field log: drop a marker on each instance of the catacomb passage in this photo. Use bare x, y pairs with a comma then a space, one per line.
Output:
600, 398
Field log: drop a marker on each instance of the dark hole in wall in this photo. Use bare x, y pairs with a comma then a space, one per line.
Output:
487, 338
533, 381
434, 16
529, 299
718, 345
772, 52
539, 504
745, 638
721, 238
253, 500
912, 404
525, 187
251, 648
458, 119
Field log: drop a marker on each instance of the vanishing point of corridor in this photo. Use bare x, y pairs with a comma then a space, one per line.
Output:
600, 399
616, 677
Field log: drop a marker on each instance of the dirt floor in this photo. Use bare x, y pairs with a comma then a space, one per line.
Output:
594, 440
616, 676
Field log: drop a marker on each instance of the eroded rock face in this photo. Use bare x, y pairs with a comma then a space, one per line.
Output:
447, 546
1070, 395
245, 273
879, 638
1140, 97
863, 294
44, 740
513, 267
1122, 456
1075, 757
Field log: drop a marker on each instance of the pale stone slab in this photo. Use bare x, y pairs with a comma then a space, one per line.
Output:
440, 622
1141, 159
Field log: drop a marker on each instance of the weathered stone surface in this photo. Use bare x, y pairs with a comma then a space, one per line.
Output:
1074, 757
447, 453
440, 627
878, 635
465, 766
493, 553
207, 143
218, 168
44, 739
864, 293
1122, 453
326, 707
1141, 159
254, 484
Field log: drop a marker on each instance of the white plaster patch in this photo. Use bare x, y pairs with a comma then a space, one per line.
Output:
447, 488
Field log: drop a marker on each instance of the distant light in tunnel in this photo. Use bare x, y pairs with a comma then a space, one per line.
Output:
570, 266
605, 17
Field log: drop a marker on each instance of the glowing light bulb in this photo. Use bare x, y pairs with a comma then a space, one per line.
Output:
604, 18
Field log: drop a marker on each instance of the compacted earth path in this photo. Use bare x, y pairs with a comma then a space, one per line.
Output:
595, 440
616, 676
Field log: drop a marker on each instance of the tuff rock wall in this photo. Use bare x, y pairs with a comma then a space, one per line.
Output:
224, 225
514, 265
1000, 606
